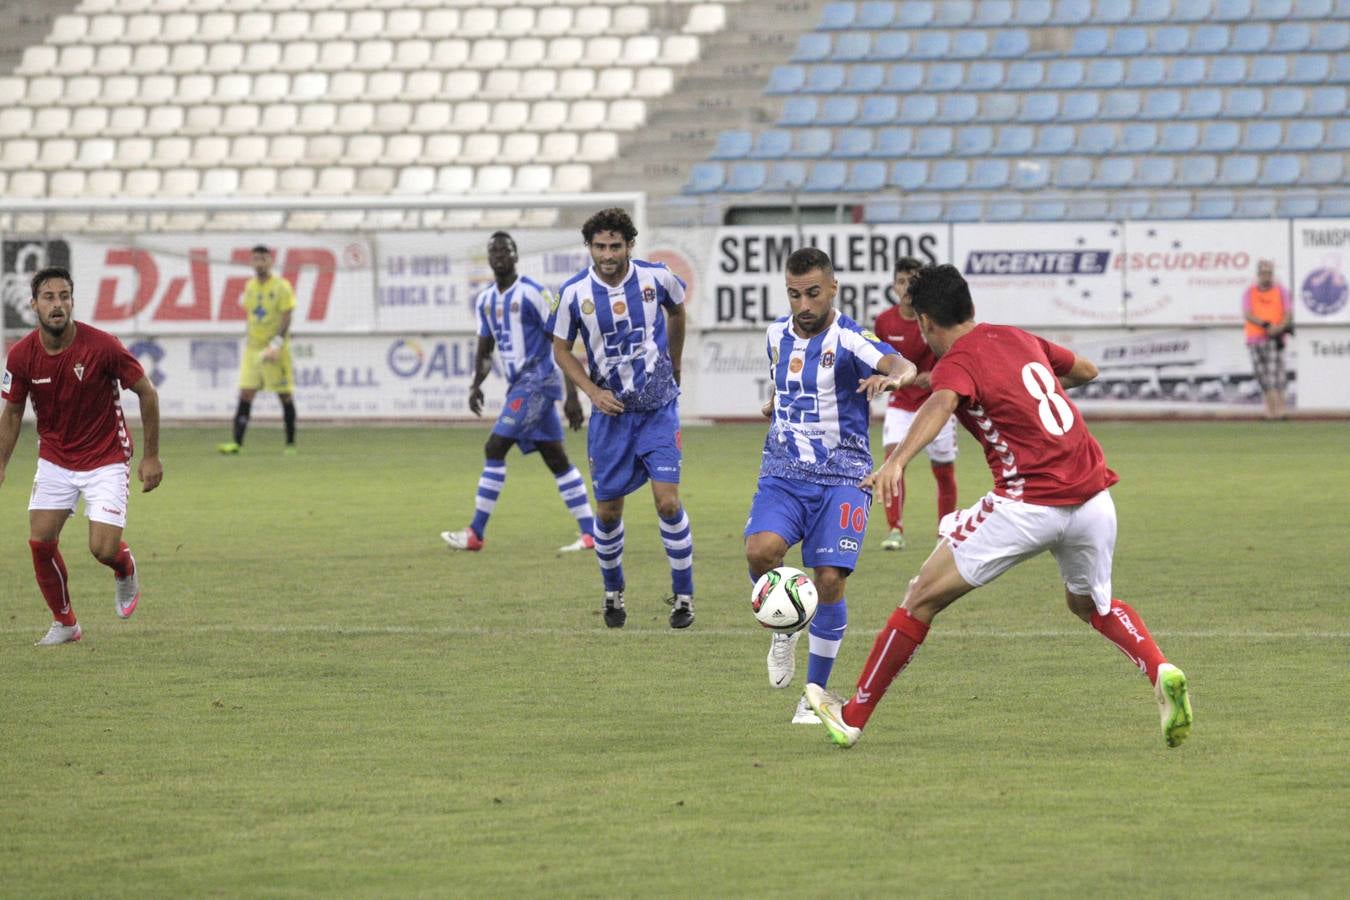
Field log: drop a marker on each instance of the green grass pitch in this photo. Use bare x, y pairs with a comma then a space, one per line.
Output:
316, 697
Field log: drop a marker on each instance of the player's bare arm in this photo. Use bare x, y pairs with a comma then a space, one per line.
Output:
928, 421
150, 471
576, 417
482, 365
1083, 371
894, 371
273, 350
601, 399
675, 337
11, 420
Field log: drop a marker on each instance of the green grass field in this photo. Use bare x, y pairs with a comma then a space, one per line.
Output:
316, 697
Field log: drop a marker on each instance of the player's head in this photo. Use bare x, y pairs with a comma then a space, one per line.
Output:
502, 254
1265, 273
262, 261
941, 299
53, 299
810, 288
905, 267
609, 236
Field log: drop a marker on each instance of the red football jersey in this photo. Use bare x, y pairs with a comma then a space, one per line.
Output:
903, 334
1034, 438
75, 396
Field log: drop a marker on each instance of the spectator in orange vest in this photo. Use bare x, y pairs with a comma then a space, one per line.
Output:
1265, 306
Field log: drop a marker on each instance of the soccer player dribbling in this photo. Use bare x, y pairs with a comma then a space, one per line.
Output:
1051, 492
72, 373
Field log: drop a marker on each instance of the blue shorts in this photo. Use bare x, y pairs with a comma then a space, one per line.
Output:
827, 520
628, 449
529, 417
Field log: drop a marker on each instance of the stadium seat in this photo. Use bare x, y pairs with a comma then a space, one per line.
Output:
992, 13
824, 79
1175, 206
974, 140
826, 176
1243, 103
902, 78
1144, 72
785, 176
1326, 102
812, 47
999, 107
841, 110
1079, 106
732, 145
1263, 137
1096, 139
812, 143
959, 210
1197, 171
865, 79
1279, 170
1185, 71
1160, 172
1169, 40
850, 46
1005, 210
889, 45
917, 109
1209, 39
1153, 10
944, 76
933, 142
989, 175
873, 14
1274, 9
948, 175
1290, 37
1286, 101
1202, 103
850, 143
1090, 42
1331, 36
1039, 107
909, 175
1312, 9
1032, 12
881, 210
1238, 170
1129, 42
744, 177
914, 14
837, 16
1310, 69
1114, 172
875, 111
798, 111
1064, 74
1014, 140
1165, 104
984, 75
772, 144
1025, 74
865, 177
1212, 206
1127, 207
955, 13
1030, 175
1324, 168
1072, 172
1250, 37
1139, 137
1297, 206
931, 45
1268, 70
1011, 43
1071, 12
958, 108
1339, 136
1227, 70
704, 177
893, 142
1255, 206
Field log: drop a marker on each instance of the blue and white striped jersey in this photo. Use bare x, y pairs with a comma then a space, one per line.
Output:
820, 421
624, 331
516, 319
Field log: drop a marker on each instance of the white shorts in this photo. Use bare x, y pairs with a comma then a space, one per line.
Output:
104, 489
997, 533
897, 424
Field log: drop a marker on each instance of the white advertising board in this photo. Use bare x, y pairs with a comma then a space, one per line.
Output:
1324, 382
1320, 291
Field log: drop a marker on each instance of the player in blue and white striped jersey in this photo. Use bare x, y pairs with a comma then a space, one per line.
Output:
825, 368
512, 316
629, 314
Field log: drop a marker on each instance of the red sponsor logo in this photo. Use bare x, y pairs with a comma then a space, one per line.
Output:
515, 404
679, 444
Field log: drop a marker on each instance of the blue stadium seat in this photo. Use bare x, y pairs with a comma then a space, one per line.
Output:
1340, 68
1339, 136
893, 142
904, 77
1152, 11
1274, 9
916, 14
999, 107
1011, 43
1268, 70
944, 76
785, 176
1174, 206
1335, 205
1238, 170
1064, 73
1030, 175
838, 110
984, 75
1127, 208
837, 16
1213, 206
704, 178
826, 176
1324, 168
1331, 37
989, 175
1286, 101
1104, 73
874, 14
974, 140
865, 79
733, 145
936, 141
1138, 137
1179, 137
1008, 210
1079, 106
772, 144
853, 142
959, 108
1279, 170
1129, 41
881, 211
1071, 12
1090, 42
879, 111
1209, 39
1297, 206
1096, 139
812, 47
1225, 70
851, 46
1312, 9
1040, 107
922, 211
1144, 71
970, 44
931, 45
1170, 39
1263, 137
909, 174
824, 79
1202, 103
1220, 137
786, 80
1114, 172
1024, 74
1121, 104
1161, 171
888, 45
1090, 209
1162, 104
1243, 103
1014, 140
1310, 68
745, 177
1233, 10
949, 175
1290, 37
1198, 172
1250, 37
865, 177
959, 210
993, 13
812, 143
1054, 140
1032, 12
954, 13
798, 111
1192, 11
1327, 102
1255, 206
918, 109
1186, 71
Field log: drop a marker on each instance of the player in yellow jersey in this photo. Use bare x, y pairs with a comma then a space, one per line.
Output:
268, 302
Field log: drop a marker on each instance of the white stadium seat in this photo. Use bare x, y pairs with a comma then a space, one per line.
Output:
487, 53
552, 21
566, 51
271, 87
403, 23
112, 59
393, 117
299, 56
548, 115
515, 21
104, 183
248, 149
558, 146
229, 56
69, 29
644, 48
142, 29
96, 153
157, 89
604, 51
82, 91
66, 184
591, 20
260, 56
322, 117
295, 180
19, 153
532, 179
118, 90
493, 179
50, 121
422, 85
45, 90
454, 179
27, 184
335, 181
141, 183
415, 180
412, 54
462, 85
89, 121
220, 182
172, 151
345, 85
375, 180
587, 114
186, 59
15, 120
126, 121
679, 49
384, 85
536, 84
258, 181
134, 153
232, 88
654, 81
502, 83
180, 183
469, 116
364, 24
285, 149
37, 60
574, 84
519, 148
335, 56
438, 149
253, 26
440, 22
162, 120
402, 149
241, 118
480, 148
215, 26
57, 153
363, 149
510, 115
12, 89
105, 29
74, 59
291, 26
614, 83
450, 53
194, 89
630, 20
480, 21
179, 27
626, 114
706, 18
322, 149
526, 52
328, 24
598, 146
210, 151
572, 179
279, 118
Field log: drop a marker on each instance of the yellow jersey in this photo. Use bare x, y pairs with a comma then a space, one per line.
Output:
264, 302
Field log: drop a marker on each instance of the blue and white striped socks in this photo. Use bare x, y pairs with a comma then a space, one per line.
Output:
826, 634
679, 541
609, 552
573, 490
489, 489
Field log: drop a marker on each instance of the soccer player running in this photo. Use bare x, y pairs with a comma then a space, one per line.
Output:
898, 327
269, 301
72, 373
825, 369
512, 318
630, 316
1050, 493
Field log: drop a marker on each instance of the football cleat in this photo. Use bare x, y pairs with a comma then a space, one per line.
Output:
894, 541
830, 707
584, 542
128, 592
1174, 704
615, 614
290, 450
464, 539
60, 634
783, 659
681, 611
804, 715
229, 448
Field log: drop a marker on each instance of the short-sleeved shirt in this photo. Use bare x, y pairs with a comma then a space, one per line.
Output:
1270, 305
75, 396
264, 302
1035, 441
516, 319
904, 335
624, 331
820, 422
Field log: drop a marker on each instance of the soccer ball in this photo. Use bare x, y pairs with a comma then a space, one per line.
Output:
784, 600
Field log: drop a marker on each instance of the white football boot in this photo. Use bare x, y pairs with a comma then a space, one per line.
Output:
128, 592
804, 715
783, 659
830, 707
60, 634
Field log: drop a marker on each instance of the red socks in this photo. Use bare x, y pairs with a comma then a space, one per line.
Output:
945, 473
891, 652
53, 579
895, 510
1123, 627
122, 564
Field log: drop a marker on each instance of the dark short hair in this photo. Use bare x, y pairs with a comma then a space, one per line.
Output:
612, 219
808, 259
48, 274
261, 248
502, 235
907, 264
940, 293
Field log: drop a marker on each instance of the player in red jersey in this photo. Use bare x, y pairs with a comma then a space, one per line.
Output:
1050, 493
899, 327
72, 373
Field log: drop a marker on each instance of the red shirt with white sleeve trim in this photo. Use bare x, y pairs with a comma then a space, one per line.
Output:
75, 396
1035, 441
904, 335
